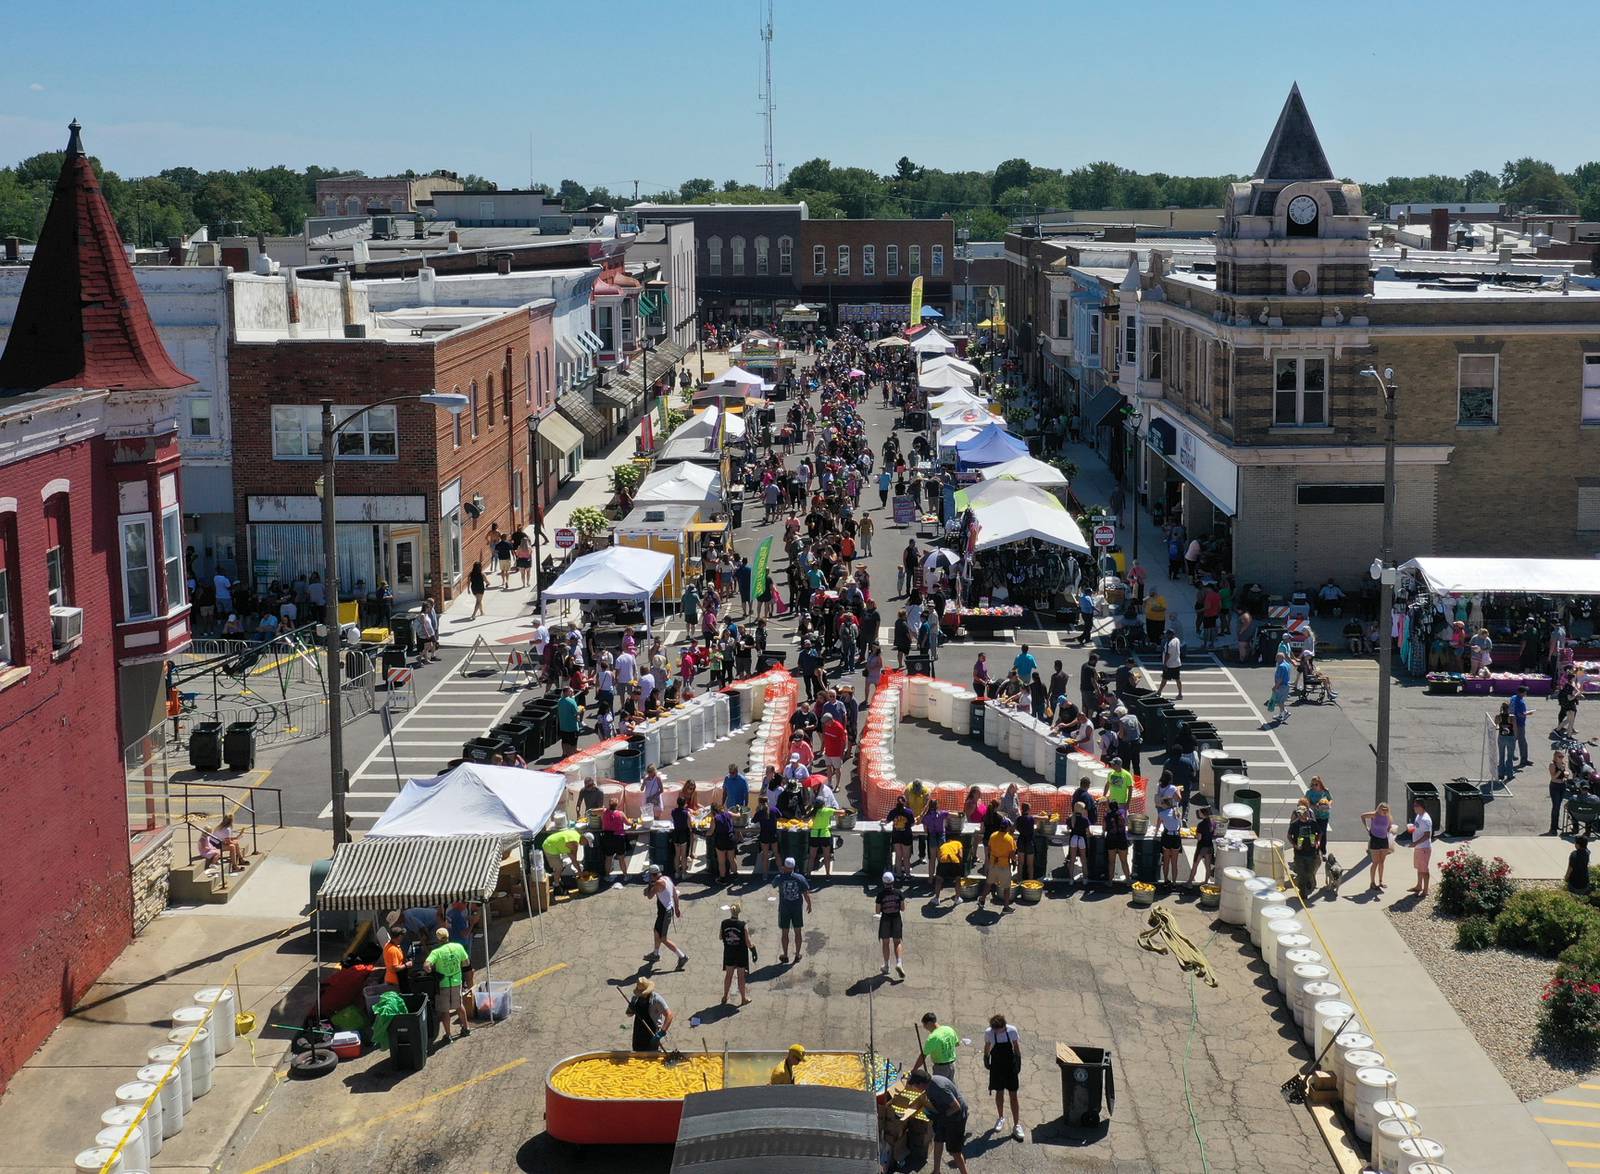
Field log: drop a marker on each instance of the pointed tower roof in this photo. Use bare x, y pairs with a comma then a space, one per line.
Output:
1293, 152
81, 320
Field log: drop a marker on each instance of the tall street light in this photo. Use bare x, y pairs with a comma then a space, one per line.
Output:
1383, 571
452, 402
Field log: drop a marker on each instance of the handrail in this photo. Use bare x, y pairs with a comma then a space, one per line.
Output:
190, 791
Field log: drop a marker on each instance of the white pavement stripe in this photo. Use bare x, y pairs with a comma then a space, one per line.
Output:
403, 742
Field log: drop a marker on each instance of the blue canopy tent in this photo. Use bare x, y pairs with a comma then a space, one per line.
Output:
991, 446
930, 312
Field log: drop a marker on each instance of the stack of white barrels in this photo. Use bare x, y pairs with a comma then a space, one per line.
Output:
178, 1072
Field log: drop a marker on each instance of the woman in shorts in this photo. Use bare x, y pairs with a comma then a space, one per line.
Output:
1002, 1056
766, 821
1380, 829
900, 821
1078, 842
682, 838
737, 952
723, 843
524, 557
1117, 842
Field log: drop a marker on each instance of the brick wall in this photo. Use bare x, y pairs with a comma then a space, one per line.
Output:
68, 899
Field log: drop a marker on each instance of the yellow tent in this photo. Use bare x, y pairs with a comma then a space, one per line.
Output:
985, 324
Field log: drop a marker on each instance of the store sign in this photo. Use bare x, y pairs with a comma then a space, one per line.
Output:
1162, 437
1203, 465
1188, 450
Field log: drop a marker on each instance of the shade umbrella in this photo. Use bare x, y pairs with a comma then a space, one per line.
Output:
857, 373
892, 341
985, 324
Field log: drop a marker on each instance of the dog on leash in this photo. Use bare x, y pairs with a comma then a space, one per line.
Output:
1332, 871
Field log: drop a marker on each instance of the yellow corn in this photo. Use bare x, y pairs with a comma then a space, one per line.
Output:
637, 1078
839, 1070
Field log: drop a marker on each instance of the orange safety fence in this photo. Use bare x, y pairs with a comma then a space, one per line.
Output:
881, 785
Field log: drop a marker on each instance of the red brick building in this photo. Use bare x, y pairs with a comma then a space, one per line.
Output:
417, 488
92, 600
862, 270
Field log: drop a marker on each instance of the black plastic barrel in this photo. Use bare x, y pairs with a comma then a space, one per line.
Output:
1463, 809
408, 1035
1099, 859
1063, 756
628, 765
1086, 1084
1147, 859
205, 746
239, 746
735, 708
1429, 794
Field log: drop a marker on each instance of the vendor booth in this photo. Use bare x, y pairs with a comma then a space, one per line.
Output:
685, 483
631, 571
1030, 470
944, 379
695, 438
1018, 519
1004, 489
733, 384
949, 363
473, 799
932, 342
991, 445
761, 354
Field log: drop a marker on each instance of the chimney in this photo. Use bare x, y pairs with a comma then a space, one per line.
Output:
359, 253
1507, 253
425, 293
13, 248
1439, 230
175, 251
502, 264
347, 305
454, 237
291, 293
419, 229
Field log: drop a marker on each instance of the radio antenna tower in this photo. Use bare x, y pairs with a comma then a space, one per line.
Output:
766, 93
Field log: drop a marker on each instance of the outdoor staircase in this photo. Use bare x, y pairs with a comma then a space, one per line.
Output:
195, 884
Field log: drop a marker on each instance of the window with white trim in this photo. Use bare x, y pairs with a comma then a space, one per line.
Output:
869, 260
297, 432
1152, 353
454, 416
1064, 318
892, 259
916, 260
1477, 390
58, 550
197, 421
1591, 389
172, 557
763, 263
738, 256
785, 256
819, 261
1092, 350
844, 260
1130, 340
5, 612
714, 256
138, 575
527, 378
938, 260
1300, 392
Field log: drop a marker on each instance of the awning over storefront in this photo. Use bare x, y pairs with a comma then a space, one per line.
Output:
591, 341
1104, 402
1528, 576
613, 398
668, 352
558, 434
404, 872
1197, 461
586, 422
572, 348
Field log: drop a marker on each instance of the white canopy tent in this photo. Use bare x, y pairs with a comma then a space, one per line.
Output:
933, 343
1006, 489
963, 415
1028, 469
683, 484
941, 362
955, 396
1530, 576
958, 434
474, 799
944, 379
1017, 519
616, 573
704, 425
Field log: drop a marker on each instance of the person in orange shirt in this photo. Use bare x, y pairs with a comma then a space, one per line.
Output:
1002, 847
395, 973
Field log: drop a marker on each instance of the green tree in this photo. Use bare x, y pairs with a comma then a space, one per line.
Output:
813, 175
1533, 181
21, 206
905, 170
1013, 173
692, 190
1589, 209
1478, 185
478, 183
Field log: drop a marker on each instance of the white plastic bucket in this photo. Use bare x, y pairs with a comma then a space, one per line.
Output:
667, 740
164, 1055
917, 696
1311, 994
115, 1122
132, 1096
96, 1159
1343, 1044
1350, 1064
190, 1017
1284, 942
170, 1097
1300, 975
1286, 964
1386, 1139
961, 712
1372, 1084
493, 999
1232, 853
201, 1062
1420, 1151
1329, 1018
722, 715
992, 723
222, 1033
1267, 906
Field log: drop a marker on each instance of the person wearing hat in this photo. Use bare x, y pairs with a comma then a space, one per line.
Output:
664, 893
737, 953
448, 959
784, 1073
651, 1016
889, 904
794, 902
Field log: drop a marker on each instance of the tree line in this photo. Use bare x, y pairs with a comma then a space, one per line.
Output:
276, 200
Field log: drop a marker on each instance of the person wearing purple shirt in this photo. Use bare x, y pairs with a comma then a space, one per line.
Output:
933, 823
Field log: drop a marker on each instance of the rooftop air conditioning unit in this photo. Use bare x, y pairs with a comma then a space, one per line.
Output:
66, 625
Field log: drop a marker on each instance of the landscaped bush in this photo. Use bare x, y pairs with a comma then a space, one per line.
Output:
1470, 886
1569, 1015
1581, 960
1545, 921
1475, 933
589, 521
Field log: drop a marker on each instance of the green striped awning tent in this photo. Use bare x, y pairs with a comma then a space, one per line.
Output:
405, 871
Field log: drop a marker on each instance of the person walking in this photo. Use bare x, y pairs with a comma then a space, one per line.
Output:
948, 1114
1321, 801
1282, 676
1205, 847
1421, 829
889, 905
1379, 827
738, 951
478, 584
665, 895
1002, 1056
1505, 727
1171, 664
1303, 846
794, 902
651, 1017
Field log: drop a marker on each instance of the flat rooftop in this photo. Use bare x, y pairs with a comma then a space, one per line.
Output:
412, 324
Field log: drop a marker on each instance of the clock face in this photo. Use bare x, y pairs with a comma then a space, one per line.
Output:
1302, 209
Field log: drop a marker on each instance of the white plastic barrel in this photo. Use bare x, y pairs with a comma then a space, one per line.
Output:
201, 1061
1401, 1110
222, 1033
666, 733
993, 721
1421, 1152
1428, 1168
1282, 944
961, 712
1329, 1018
1267, 858
115, 1121
652, 745
1291, 958
1300, 975
131, 1097
942, 704
1312, 993
96, 1159
191, 1017
164, 1055
1387, 1135
1234, 907
1344, 1043
1267, 905
1228, 784
1351, 1063
1016, 736
1044, 751
1374, 1083
917, 696
1232, 853
1208, 773
171, 1097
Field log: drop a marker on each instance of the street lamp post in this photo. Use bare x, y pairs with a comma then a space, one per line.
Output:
538, 516
1383, 570
451, 402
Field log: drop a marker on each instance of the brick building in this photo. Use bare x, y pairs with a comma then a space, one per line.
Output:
747, 261
862, 270
92, 599
417, 488
356, 195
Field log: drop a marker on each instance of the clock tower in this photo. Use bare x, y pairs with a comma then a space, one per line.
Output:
1293, 235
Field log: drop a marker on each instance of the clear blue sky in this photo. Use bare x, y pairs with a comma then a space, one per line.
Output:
666, 91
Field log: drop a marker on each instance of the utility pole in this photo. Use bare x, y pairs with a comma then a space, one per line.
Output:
1383, 570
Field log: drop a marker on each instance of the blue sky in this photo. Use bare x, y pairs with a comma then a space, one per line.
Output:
663, 92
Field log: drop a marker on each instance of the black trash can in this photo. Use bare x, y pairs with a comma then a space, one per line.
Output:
1098, 860
978, 708
1086, 1085
408, 1035
735, 708
239, 746
205, 746
1252, 799
1062, 757
1147, 859
1463, 809
1220, 767
523, 734
771, 660
403, 631
394, 657
1429, 794
919, 666
629, 766
485, 748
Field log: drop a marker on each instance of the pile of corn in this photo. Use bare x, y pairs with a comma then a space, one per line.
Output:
639, 1078
793, 825
844, 1070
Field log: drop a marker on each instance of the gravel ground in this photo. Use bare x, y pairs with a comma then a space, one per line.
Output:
1504, 1024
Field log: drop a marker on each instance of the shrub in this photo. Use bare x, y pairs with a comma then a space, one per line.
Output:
1581, 960
1545, 921
1470, 886
590, 522
1569, 1015
627, 476
1475, 933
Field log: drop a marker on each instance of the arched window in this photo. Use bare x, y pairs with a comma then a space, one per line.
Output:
489, 383
714, 256
737, 245
892, 259
330, 206
762, 264
869, 260
785, 256
505, 385
352, 206
819, 261
472, 406
527, 377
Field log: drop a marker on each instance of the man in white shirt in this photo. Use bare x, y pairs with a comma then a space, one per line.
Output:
627, 671
1421, 829
1171, 664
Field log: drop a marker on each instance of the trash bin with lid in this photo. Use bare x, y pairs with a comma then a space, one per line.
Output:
874, 850
1147, 859
1463, 809
979, 709
1429, 794
1063, 756
1251, 798
1086, 1084
919, 666
239, 746
408, 1035
205, 746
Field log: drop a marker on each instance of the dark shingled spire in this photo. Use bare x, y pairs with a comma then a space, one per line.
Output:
1293, 152
81, 320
